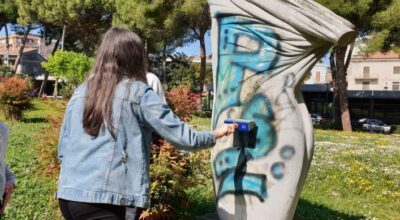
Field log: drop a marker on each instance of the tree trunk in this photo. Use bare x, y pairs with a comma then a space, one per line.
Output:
62, 38
146, 53
342, 87
202, 63
1, 27
55, 94
46, 74
164, 63
335, 95
7, 45
21, 49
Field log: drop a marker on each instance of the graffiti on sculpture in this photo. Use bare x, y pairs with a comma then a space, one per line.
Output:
260, 57
234, 58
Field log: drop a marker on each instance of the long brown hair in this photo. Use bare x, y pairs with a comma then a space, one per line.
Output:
120, 56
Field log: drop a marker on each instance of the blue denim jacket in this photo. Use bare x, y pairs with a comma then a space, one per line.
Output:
116, 171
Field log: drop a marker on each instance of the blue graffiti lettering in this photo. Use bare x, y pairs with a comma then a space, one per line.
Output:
229, 165
244, 44
234, 57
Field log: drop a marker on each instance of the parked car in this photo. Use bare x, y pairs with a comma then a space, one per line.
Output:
315, 119
374, 125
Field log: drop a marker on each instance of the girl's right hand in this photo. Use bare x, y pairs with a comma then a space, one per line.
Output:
224, 130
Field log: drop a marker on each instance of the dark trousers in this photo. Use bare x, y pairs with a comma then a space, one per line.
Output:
90, 211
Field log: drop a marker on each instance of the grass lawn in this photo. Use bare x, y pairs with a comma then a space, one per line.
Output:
353, 175
31, 156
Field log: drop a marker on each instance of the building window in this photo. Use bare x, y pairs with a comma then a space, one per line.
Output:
365, 85
396, 70
318, 77
396, 86
366, 72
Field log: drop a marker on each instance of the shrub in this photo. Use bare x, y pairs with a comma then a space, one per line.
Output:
172, 172
70, 66
183, 74
67, 90
14, 97
5, 71
183, 102
168, 172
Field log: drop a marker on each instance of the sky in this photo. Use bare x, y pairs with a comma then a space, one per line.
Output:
192, 49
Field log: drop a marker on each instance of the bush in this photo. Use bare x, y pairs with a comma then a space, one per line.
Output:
69, 66
67, 90
168, 172
182, 74
5, 71
183, 102
173, 172
14, 97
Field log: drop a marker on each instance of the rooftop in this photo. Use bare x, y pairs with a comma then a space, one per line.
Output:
15, 51
378, 56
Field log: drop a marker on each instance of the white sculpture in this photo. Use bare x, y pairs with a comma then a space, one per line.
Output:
261, 51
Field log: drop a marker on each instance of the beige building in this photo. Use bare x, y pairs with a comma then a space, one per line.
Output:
35, 52
33, 42
319, 74
377, 72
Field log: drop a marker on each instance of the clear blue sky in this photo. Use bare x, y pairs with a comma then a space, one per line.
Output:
191, 49
194, 48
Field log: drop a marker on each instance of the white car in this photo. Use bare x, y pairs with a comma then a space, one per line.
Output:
316, 119
374, 125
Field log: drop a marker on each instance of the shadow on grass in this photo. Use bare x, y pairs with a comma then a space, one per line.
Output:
34, 120
309, 211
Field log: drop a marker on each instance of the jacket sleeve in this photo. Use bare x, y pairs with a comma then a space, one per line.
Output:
10, 177
156, 114
63, 138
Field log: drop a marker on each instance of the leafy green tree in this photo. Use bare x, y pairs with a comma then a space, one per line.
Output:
8, 14
68, 65
387, 29
362, 14
27, 18
154, 21
194, 18
80, 22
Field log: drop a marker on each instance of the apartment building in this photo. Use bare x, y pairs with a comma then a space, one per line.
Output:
319, 74
373, 87
34, 45
35, 52
376, 72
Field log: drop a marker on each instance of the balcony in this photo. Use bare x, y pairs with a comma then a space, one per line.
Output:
365, 79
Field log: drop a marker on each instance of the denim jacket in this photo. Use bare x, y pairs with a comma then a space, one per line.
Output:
6, 176
116, 171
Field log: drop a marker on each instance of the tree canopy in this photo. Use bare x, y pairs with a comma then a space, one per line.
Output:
8, 12
368, 16
68, 65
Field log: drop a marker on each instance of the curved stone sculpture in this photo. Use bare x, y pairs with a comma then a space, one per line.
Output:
261, 51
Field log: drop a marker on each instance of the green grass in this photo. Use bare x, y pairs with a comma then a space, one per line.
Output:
33, 197
352, 176
200, 123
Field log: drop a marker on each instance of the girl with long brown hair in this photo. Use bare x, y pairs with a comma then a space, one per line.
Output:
104, 145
